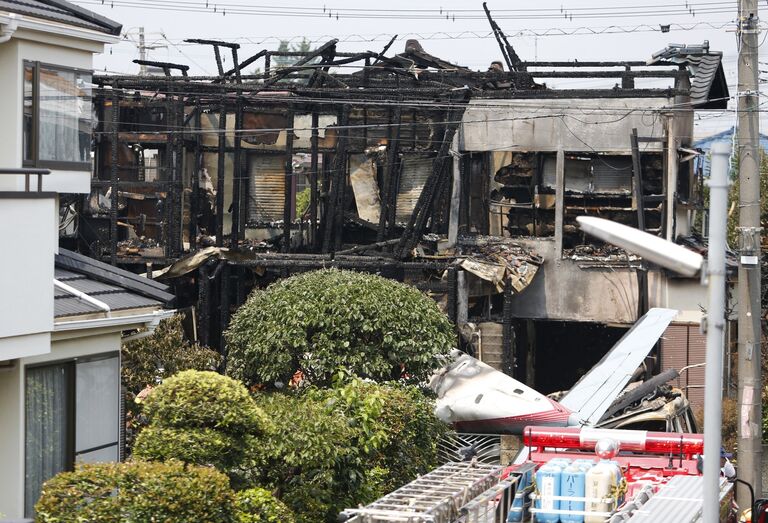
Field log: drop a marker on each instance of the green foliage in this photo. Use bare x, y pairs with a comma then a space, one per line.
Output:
344, 446
142, 360
165, 348
195, 399
137, 492
258, 505
202, 418
319, 321
302, 201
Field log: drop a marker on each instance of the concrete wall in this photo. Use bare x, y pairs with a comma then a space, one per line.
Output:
562, 290
29, 231
49, 49
12, 413
550, 124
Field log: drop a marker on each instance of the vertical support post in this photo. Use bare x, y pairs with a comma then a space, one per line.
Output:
224, 311
749, 292
289, 200
203, 304
559, 202
237, 174
462, 298
452, 293
194, 196
389, 196
114, 182
453, 217
507, 332
222, 152
637, 180
713, 391
314, 161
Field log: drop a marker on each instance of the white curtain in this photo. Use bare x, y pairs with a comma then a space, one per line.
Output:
46, 429
65, 116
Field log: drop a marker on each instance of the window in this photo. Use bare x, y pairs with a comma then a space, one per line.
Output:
57, 117
72, 412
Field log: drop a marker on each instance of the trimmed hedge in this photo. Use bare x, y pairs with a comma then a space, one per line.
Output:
319, 321
204, 400
202, 418
258, 505
137, 492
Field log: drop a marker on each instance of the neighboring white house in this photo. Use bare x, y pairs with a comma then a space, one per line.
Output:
62, 316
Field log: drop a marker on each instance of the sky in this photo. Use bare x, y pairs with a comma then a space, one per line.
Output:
454, 30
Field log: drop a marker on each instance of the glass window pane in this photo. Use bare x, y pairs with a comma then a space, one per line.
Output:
97, 413
65, 115
46, 429
29, 76
99, 456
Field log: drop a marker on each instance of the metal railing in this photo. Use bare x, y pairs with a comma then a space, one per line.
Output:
27, 173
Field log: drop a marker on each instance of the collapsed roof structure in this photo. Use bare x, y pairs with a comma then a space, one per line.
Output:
465, 183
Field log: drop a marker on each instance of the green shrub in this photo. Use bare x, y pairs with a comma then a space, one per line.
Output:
194, 399
258, 505
163, 353
344, 446
137, 492
202, 418
305, 461
198, 446
319, 321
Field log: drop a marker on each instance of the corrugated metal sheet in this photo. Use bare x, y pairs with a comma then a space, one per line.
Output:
416, 170
266, 178
679, 501
607, 175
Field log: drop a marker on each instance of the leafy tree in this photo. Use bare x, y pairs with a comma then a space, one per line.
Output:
319, 321
202, 418
137, 492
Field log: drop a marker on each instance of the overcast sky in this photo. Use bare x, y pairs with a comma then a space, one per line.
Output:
628, 30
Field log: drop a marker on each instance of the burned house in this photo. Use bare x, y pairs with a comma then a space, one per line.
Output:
464, 183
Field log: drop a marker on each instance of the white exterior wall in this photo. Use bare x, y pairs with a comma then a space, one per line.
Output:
29, 231
12, 413
56, 49
561, 124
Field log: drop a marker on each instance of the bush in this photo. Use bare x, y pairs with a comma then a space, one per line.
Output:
202, 418
344, 446
142, 361
319, 321
165, 348
137, 492
258, 505
306, 459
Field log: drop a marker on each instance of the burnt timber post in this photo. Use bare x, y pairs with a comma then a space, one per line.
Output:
221, 163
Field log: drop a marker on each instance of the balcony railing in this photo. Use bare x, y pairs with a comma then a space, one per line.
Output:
28, 173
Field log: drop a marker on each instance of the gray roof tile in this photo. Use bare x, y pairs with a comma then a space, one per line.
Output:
63, 12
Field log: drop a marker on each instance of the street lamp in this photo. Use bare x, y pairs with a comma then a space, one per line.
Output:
688, 263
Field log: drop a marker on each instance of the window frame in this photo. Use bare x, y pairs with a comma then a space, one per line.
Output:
70, 366
34, 134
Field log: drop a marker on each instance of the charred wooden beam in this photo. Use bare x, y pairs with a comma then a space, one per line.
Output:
237, 177
508, 52
115, 120
238, 69
220, 168
167, 67
638, 180
334, 210
389, 195
313, 178
309, 56
289, 200
194, 197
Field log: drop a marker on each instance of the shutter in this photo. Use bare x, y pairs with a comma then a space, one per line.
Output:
612, 174
416, 170
266, 183
674, 352
697, 353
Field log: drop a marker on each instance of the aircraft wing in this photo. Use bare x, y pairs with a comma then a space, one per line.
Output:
596, 390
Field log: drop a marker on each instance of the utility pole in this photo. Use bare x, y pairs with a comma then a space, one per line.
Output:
749, 306
142, 52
